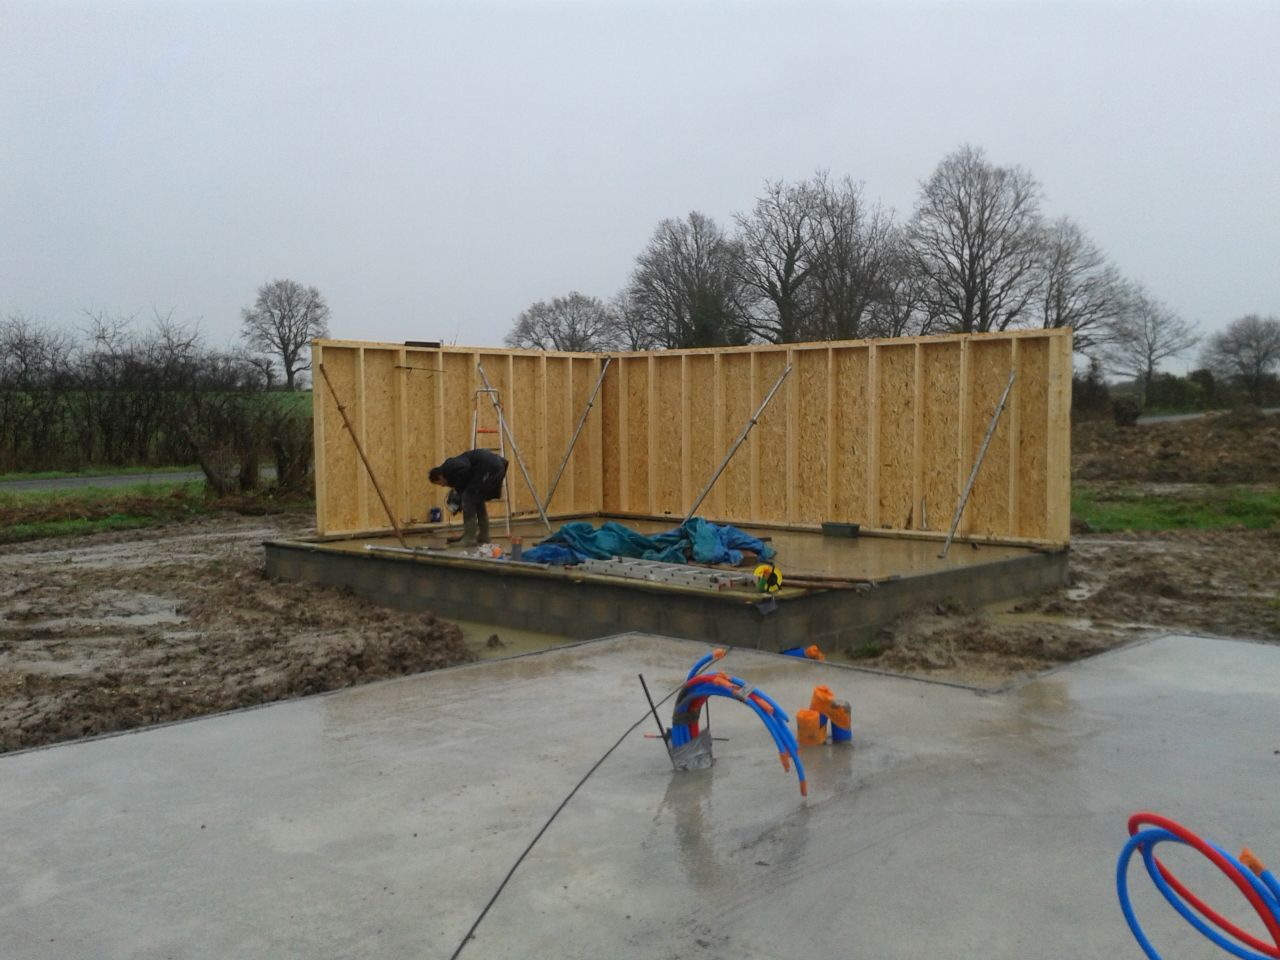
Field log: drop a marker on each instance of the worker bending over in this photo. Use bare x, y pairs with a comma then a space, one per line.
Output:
474, 476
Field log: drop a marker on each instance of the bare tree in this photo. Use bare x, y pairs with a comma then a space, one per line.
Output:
854, 249
1081, 289
1147, 334
282, 323
685, 288
576, 323
1248, 352
976, 238
632, 331
777, 241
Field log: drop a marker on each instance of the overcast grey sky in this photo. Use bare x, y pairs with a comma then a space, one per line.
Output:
436, 167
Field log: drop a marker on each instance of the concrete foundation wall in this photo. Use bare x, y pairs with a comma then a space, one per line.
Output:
559, 602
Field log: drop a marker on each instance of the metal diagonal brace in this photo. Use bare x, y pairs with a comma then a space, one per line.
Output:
986, 441
736, 444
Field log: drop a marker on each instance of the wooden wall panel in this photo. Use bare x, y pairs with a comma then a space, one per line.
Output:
734, 485
705, 449
342, 467
381, 435
940, 436
848, 498
636, 462
770, 433
882, 433
666, 447
987, 511
896, 373
423, 442
811, 417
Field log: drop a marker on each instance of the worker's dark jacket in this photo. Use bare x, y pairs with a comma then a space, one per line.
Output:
477, 475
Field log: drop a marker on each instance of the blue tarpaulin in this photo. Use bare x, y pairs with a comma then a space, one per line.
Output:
698, 541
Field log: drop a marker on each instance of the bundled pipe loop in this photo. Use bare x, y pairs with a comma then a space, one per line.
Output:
1258, 885
699, 687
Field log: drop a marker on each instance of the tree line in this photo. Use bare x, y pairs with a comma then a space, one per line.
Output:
119, 394
817, 260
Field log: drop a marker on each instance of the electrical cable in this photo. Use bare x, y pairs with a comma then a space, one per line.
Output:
1259, 886
538, 836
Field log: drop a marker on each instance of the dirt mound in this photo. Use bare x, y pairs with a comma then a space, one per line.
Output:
1237, 447
114, 632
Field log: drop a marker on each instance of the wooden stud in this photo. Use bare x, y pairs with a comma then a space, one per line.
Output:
318, 445
964, 462
753, 442
831, 432
686, 438
1013, 413
362, 483
873, 437
793, 398
624, 434
651, 446
917, 439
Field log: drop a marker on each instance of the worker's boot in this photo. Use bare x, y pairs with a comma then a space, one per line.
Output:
484, 528
468, 531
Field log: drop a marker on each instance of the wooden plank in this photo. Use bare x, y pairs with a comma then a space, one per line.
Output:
964, 432
423, 416
381, 433
686, 434
364, 489
1032, 403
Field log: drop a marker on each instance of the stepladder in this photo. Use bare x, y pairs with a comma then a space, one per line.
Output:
486, 434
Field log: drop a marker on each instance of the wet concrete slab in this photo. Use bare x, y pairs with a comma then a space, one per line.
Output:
383, 821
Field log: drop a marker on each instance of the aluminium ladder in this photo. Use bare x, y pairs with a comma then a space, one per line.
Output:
495, 401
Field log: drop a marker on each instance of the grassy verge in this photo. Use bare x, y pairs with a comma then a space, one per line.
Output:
31, 515
1114, 508
98, 472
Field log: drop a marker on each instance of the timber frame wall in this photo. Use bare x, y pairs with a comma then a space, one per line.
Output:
883, 433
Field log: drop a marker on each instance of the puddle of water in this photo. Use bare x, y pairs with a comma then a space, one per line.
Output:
513, 641
1003, 613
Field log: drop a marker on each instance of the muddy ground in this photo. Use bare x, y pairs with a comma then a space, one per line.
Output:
113, 631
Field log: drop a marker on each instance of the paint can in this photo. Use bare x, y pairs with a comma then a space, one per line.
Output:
435, 515
809, 732
841, 722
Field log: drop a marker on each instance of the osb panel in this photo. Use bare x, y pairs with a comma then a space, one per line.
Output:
1031, 394
610, 439
849, 434
558, 428
734, 484
637, 428
810, 386
460, 383
987, 512
423, 440
342, 463
704, 453
381, 435
772, 489
666, 445
523, 407
940, 429
897, 433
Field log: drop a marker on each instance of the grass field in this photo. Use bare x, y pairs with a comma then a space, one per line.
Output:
30, 515
98, 472
1113, 508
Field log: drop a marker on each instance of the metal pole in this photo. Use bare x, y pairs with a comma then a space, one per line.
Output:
502, 424
736, 444
360, 450
581, 423
986, 441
